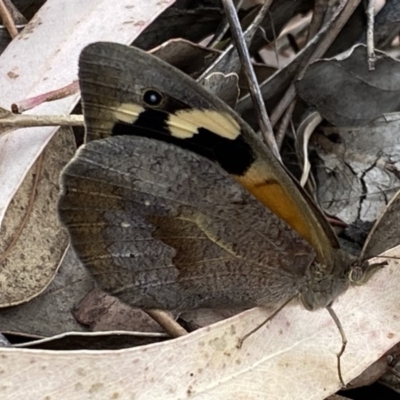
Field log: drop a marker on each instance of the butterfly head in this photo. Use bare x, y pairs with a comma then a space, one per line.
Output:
321, 288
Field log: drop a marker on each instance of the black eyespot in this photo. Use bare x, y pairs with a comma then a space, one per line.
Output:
152, 98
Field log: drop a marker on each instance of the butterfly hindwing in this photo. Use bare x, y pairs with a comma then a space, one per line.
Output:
142, 229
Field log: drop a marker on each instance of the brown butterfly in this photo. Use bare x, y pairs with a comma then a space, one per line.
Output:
175, 203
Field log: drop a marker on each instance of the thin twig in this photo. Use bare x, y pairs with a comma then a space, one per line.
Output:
316, 23
276, 51
283, 104
23, 121
332, 5
223, 29
60, 93
167, 322
255, 92
18, 18
284, 124
251, 30
8, 21
10, 121
370, 35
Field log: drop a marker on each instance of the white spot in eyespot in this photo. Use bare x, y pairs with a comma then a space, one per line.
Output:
125, 225
147, 203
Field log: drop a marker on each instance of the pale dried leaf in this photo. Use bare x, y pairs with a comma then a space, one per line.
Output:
32, 240
345, 92
44, 57
294, 357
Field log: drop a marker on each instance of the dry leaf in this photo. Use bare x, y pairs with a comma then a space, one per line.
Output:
32, 240
225, 86
345, 92
361, 169
189, 57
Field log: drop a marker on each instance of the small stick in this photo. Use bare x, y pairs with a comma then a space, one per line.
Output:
167, 322
317, 21
8, 21
370, 35
255, 92
251, 30
280, 135
53, 95
223, 29
19, 20
24, 121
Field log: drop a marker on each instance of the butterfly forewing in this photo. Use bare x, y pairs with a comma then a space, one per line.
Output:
126, 91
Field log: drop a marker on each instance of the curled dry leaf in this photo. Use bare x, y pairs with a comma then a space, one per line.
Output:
189, 57
297, 346
347, 93
32, 239
225, 86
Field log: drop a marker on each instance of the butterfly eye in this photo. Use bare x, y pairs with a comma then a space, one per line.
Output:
356, 275
152, 98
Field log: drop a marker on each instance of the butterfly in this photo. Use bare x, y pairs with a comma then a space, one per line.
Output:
175, 203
